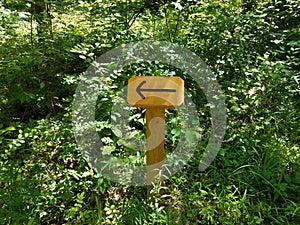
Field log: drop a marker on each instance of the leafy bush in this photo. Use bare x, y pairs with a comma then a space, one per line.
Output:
253, 48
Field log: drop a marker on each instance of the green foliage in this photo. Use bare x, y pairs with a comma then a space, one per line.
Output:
253, 47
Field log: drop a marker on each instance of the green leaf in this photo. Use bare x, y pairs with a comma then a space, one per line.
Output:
11, 128
176, 131
191, 136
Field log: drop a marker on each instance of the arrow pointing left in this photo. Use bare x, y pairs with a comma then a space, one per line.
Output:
139, 89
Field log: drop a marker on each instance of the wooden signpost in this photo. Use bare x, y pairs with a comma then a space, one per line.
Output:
155, 94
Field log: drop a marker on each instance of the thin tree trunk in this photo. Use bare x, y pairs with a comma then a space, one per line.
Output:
41, 13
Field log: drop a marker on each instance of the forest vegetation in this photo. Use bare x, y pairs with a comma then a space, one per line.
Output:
252, 47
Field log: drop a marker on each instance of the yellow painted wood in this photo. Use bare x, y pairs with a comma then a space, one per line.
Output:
155, 94
155, 130
172, 95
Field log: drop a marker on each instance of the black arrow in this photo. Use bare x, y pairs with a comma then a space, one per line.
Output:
139, 89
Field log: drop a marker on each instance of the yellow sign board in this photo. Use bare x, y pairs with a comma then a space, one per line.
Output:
151, 91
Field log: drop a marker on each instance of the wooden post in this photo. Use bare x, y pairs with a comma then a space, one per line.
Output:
155, 130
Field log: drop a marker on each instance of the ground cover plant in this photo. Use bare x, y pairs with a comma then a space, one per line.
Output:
253, 48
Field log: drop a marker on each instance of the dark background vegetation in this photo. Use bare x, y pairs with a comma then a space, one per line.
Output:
253, 47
